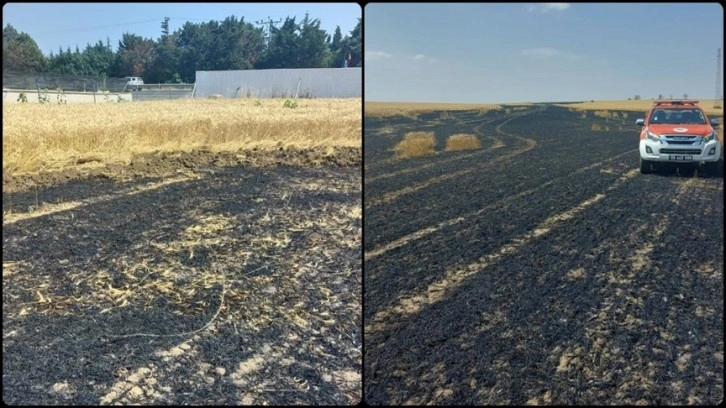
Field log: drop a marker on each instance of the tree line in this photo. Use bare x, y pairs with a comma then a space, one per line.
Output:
232, 44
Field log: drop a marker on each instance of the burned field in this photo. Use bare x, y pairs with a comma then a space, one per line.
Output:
195, 279
541, 268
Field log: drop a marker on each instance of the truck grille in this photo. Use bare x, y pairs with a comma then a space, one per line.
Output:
693, 140
680, 151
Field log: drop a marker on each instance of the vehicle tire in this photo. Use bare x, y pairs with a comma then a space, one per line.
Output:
645, 166
714, 168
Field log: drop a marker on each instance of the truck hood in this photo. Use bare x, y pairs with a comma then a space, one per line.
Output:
685, 129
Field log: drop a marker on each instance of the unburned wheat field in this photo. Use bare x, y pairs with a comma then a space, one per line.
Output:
51, 136
184, 252
539, 268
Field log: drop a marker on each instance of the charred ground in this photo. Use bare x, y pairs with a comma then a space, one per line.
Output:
540, 269
185, 278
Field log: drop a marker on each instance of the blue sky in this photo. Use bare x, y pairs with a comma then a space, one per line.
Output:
54, 25
540, 52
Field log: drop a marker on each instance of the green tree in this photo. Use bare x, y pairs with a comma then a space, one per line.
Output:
303, 45
336, 51
350, 45
313, 51
80, 62
235, 45
54, 61
133, 56
65, 63
98, 58
164, 61
355, 46
284, 46
20, 52
232, 44
194, 42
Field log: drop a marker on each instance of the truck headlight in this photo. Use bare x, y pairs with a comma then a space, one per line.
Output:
709, 137
653, 137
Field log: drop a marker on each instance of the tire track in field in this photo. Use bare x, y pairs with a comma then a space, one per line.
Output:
567, 360
54, 208
453, 278
405, 240
590, 361
391, 196
496, 143
593, 362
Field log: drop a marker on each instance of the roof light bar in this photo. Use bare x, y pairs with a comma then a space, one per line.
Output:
675, 102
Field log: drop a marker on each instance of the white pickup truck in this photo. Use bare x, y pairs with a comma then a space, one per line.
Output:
679, 132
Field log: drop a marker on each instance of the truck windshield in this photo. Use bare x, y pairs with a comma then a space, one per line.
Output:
677, 116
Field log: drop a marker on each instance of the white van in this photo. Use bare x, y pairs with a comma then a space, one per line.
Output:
133, 83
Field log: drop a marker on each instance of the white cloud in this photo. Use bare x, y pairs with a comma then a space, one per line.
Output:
376, 55
551, 53
423, 59
545, 7
542, 52
573, 57
554, 6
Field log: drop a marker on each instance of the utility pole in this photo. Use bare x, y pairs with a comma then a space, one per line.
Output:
269, 22
717, 101
165, 27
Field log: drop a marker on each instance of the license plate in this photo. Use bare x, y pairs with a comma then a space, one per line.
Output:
677, 157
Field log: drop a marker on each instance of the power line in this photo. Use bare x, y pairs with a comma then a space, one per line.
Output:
95, 28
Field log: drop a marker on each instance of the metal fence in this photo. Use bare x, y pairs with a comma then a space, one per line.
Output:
71, 83
266, 83
153, 92
281, 83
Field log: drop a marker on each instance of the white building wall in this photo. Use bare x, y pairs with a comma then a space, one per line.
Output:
281, 83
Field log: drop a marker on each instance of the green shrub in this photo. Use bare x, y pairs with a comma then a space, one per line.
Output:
289, 104
61, 97
43, 97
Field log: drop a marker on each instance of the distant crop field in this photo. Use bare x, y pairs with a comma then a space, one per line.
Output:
639, 105
377, 109
604, 108
52, 137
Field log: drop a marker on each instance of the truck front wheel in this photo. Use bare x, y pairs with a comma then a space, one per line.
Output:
714, 168
645, 166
